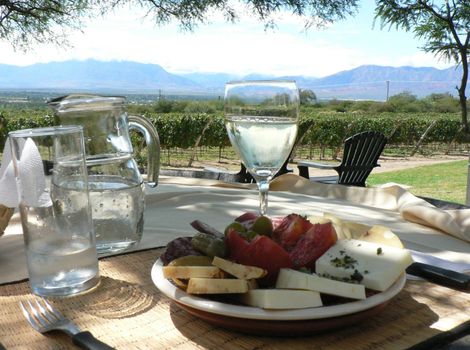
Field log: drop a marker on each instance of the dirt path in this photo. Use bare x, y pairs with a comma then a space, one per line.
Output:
392, 164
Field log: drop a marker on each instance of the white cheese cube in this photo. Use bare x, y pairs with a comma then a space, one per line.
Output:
281, 298
292, 279
376, 266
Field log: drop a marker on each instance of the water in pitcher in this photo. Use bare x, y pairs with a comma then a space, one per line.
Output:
118, 212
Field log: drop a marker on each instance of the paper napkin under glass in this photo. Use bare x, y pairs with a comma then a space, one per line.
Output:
31, 178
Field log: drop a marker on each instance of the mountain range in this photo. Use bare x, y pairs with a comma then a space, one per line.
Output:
364, 82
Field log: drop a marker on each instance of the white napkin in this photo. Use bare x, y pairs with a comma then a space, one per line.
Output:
31, 179
395, 198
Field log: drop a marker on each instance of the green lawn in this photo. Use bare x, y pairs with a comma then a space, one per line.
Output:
447, 181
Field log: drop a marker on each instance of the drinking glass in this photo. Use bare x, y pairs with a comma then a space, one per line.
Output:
261, 118
51, 175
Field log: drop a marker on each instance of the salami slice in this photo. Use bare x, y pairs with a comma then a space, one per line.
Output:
178, 247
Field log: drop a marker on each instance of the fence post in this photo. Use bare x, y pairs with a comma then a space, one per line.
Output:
298, 144
453, 140
421, 139
198, 140
394, 131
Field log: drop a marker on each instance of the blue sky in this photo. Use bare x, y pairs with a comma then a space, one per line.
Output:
241, 48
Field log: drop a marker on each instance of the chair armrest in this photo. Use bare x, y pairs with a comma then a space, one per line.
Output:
216, 170
317, 165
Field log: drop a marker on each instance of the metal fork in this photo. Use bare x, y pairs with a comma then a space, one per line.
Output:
43, 317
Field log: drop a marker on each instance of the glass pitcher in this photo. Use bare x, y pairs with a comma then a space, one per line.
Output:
116, 186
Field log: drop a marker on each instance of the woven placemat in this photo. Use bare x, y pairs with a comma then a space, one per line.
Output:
5, 216
128, 312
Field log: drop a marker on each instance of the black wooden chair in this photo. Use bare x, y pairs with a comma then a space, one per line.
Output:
360, 156
243, 175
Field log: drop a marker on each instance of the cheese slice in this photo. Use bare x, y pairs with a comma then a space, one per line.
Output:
216, 286
292, 279
376, 266
342, 231
281, 298
243, 272
191, 271
381, 235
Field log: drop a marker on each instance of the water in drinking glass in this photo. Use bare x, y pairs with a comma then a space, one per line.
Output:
64, 260
59, 265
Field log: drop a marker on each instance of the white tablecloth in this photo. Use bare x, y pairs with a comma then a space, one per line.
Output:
176, 202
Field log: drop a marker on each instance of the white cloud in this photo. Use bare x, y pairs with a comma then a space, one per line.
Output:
240, 48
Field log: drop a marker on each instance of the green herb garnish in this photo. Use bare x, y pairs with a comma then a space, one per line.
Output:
346, 261
357, 276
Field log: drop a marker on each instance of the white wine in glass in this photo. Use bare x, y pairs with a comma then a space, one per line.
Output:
261, 118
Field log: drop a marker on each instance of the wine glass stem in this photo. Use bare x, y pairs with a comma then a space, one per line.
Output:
263, 186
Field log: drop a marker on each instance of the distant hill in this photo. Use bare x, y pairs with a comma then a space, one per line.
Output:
364, 82
213, 81
91, 75
370, 82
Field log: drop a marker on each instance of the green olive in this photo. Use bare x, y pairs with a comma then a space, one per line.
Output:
235, 226
250, 235
263, 226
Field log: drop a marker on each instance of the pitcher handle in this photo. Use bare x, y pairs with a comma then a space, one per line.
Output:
146, 128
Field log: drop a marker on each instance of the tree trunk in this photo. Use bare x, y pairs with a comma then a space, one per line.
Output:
462, 97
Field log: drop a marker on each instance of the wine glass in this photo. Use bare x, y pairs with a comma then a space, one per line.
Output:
261, 118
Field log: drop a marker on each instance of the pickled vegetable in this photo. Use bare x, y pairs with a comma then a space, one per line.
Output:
205, 228
209, 245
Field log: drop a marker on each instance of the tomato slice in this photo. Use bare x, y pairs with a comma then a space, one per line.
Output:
313, 244
269, 255
289, 231
262, 252
237, 246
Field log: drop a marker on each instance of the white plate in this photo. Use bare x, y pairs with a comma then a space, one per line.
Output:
248, 312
